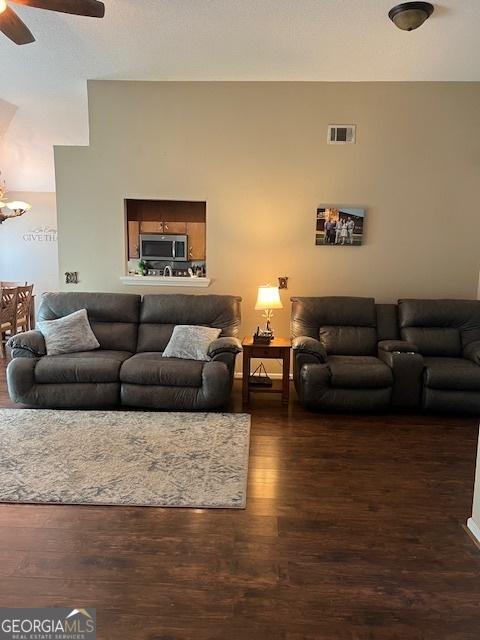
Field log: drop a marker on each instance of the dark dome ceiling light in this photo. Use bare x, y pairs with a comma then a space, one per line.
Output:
410, 15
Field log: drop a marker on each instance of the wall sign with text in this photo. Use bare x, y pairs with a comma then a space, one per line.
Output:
41, 234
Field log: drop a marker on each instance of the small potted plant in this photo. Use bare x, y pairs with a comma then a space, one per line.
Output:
143, 267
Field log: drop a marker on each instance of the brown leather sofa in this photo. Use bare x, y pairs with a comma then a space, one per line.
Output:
128, 368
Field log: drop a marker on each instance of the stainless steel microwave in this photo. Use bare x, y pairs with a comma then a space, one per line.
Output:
158, 247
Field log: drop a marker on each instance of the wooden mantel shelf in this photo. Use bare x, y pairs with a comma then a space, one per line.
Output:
165, 281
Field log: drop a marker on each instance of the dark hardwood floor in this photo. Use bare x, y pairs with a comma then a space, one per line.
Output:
353, 530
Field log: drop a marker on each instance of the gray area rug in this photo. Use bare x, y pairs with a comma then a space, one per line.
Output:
124, 458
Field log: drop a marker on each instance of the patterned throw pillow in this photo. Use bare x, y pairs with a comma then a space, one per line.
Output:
190, 342
68, 334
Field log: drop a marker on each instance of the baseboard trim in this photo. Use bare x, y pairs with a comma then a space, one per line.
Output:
474, 530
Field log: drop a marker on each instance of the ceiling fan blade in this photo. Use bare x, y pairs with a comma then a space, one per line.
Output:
14, 28
90, 8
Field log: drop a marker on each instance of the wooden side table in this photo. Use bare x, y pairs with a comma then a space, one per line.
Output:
279, 349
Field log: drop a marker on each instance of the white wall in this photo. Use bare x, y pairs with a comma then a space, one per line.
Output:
473, 523
28, 245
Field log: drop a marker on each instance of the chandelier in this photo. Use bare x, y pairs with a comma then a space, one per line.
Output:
12, 209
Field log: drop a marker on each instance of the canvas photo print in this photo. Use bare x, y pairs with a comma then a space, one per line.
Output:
342, 226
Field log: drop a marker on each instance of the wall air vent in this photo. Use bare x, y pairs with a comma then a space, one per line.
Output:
341, 134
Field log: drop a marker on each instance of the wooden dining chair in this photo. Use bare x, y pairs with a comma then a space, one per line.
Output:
24, 305
11, 285
8, 316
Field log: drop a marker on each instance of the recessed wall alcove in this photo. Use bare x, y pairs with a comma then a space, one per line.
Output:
168, 235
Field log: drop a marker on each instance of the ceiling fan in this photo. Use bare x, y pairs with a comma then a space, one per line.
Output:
17, 30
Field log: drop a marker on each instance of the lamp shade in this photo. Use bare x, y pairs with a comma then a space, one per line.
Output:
268, 298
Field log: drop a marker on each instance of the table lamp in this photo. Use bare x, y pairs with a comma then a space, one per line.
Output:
268, 298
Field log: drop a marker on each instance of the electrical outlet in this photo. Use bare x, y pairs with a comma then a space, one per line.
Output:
71, 277
283, 282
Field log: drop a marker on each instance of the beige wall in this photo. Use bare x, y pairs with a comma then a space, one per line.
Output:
257, 153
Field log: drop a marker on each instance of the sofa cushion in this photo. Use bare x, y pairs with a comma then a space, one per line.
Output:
311, 313
154, 337
435, 341
153, 369
349, 341
160, 313
113, 316
463, 315
103, 307
452, 373
359, 372
88, 366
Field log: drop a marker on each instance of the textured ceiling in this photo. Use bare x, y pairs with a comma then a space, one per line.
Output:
336, 40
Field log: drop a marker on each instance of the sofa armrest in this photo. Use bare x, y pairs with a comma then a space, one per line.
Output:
225, 350
400, 346
407, 370
30, 344
216, 384
313, 379
226, 344
309, 346
472, 351
21, 380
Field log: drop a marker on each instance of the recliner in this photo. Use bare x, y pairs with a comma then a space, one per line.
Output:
348, 355
447, 334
